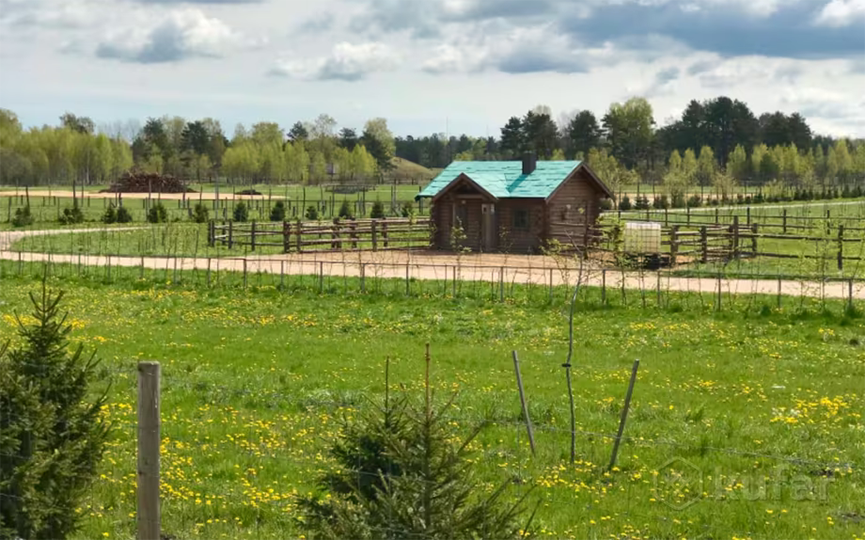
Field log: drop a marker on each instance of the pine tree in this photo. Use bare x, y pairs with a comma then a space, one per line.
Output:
401, 476
51, 430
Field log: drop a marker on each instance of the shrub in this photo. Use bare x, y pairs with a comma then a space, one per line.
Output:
110, 215
277, 213
606, 204
377, 210
345, 210
241, 212
312, 213
123, 215
625, 203
678, 201
200, 214
23, 217
402, 475
71, 216
52, 435
694, 201
407, 210
157, 213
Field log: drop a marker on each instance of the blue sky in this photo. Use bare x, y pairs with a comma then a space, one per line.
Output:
431, 65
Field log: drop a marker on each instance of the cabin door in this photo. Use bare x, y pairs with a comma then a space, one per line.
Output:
488, 227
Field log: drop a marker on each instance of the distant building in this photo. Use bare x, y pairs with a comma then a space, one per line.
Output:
515, 206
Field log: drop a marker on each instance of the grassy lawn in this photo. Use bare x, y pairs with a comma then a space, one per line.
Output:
760, 409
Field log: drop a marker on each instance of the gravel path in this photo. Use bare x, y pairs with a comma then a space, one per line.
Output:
427, 265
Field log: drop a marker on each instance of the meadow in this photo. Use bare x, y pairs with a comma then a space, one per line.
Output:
744, 424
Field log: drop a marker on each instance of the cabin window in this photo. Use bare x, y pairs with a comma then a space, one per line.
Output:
521, 220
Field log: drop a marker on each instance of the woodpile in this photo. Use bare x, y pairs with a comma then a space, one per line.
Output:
141, 182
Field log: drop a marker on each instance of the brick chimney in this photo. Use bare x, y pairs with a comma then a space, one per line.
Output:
530, 162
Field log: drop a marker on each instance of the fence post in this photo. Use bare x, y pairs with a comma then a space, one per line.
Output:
299, 232
149, 526
754, 239
208, 272
674, 244
384, 233
624, 414
735, 239
720, 290
252, 235
375, 235
604, 286
502, 284
286, 236
704, 244
230, 234
320, 277
523, 402
779, 292
840, 247
716, 216
748, 217
784, 221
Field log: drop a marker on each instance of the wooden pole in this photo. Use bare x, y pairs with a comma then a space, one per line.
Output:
252, 235
624, 414
149, 526
840, 247
704, 244
674, 244
525, 406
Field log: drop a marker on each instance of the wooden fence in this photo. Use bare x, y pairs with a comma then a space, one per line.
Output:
698, 243
339, 235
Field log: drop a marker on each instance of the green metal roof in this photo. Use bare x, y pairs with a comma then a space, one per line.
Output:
505, 179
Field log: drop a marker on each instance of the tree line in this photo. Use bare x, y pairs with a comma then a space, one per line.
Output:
76, 151
716, 144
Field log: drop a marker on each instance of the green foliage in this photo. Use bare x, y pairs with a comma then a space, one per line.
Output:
23, 217
345, 210
157, 213
277, 213
377, 211
625, 203
200, 213
407, 210
71, 216
123, 215
52, 435
606, 204
641, 203
312, 213
401, 475
241, 212
110, 215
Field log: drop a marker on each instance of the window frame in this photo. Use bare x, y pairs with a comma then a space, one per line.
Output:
521, 215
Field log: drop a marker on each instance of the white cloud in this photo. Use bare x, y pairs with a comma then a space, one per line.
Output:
828, 110
839, 13
170, 36
346, 62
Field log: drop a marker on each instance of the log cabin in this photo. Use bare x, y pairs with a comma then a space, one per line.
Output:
514, 206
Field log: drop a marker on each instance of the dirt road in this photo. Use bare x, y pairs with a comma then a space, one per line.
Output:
519, 269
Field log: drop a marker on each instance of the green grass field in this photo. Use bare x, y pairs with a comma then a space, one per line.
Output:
760, 410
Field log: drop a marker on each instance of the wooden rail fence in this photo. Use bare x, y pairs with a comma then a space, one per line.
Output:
339, 235
705, 243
